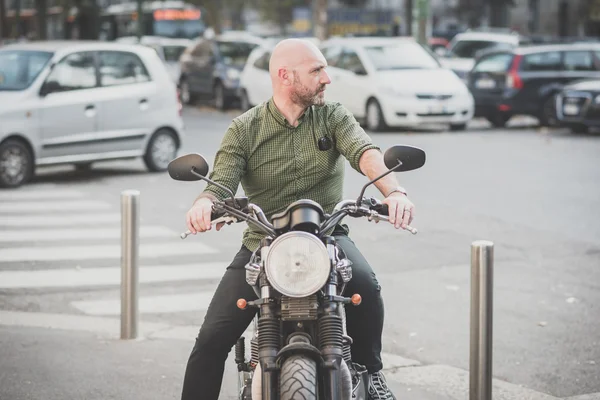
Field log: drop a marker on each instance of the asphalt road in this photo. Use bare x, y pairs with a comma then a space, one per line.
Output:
534, 193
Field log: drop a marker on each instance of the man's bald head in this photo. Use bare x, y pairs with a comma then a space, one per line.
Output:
297, 71
291, 53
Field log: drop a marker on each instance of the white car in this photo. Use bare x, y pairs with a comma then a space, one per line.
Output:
385, 81
81, 102
169, 50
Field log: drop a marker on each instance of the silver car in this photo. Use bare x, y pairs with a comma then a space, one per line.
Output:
78, 102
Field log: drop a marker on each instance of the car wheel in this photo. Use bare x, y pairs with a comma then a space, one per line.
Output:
184, 92
219, 96
580, 128
244, 101
547, 115
375, 120
16, 163
498, 120
458, 127
161, 150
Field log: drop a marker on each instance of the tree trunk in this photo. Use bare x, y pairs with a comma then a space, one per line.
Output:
3, 24
320, 19
41, 7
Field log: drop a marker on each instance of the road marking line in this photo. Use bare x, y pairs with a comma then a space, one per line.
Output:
25, 206
97, 252
89, 277
98, 325
81, 234
44, 220
41, 194
170, 303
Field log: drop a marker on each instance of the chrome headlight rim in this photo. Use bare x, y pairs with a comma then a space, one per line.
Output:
324, 272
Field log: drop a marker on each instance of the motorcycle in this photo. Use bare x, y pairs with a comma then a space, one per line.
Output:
300, 346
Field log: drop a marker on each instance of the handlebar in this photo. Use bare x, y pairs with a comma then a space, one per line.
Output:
371, 208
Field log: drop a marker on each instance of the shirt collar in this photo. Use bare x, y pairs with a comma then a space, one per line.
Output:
279, 116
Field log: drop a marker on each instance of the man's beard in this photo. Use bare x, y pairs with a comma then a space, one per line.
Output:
305, 97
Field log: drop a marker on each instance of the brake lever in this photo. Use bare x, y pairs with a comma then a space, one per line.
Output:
228, 220
375, 216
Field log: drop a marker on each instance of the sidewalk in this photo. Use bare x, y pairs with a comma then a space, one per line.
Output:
56, 364
49, 364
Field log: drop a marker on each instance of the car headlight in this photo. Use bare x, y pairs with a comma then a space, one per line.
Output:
233, 74
297, 264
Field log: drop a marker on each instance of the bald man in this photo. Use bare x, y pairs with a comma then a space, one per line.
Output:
291, 147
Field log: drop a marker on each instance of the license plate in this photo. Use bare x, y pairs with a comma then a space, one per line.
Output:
485, 84
438, 108
571, 109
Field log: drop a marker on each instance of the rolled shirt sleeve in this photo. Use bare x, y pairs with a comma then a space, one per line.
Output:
350, 138
230, 163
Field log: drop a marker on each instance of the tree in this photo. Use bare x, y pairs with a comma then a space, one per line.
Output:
3, 24
41, 7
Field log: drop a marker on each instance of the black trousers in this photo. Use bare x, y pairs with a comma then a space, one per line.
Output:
224, 323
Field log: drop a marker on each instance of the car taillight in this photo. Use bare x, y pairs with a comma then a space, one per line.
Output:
513, 80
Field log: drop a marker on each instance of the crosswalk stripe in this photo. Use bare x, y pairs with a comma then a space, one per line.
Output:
89, 277
91, 252
149, 305
81, 234
45, 220
40, 194
25, 206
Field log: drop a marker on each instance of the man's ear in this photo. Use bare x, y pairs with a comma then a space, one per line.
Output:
284, 75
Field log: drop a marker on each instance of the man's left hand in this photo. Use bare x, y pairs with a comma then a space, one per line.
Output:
401, 209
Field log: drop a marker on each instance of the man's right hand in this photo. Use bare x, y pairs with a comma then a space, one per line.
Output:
198, 217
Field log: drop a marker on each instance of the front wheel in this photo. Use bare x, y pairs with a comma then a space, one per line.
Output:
161, 150
16, 164
374, 117
298, 379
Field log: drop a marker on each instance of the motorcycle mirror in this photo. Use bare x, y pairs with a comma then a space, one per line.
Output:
404, 158
189, 167
396, 159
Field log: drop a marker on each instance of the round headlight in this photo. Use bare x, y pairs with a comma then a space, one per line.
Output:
297, 264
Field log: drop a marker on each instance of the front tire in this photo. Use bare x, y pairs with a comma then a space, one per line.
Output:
374, 117
161, 150
16, 164
458, 127
298, 379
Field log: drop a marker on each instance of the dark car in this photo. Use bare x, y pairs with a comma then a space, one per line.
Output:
578, 106
211, 67
525, 80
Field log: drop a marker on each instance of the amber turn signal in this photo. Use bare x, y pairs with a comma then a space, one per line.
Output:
356, 299
241, 304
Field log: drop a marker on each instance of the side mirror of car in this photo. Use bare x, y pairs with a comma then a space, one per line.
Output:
359, 71
49, 87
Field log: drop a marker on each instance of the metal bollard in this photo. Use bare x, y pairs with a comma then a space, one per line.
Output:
129, 263
482, 268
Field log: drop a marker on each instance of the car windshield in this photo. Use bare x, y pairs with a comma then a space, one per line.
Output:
469, 48
401, 56
19, 68
235, 53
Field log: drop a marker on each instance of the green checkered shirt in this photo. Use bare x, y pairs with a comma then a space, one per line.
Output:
278, 163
